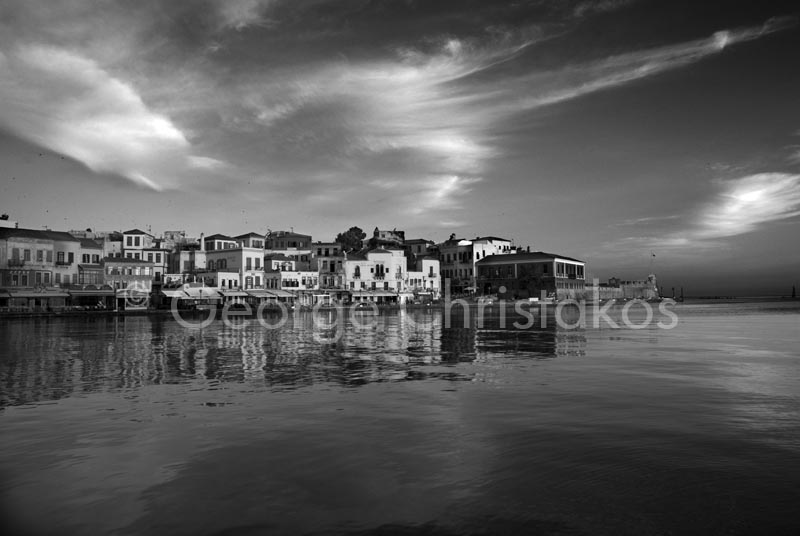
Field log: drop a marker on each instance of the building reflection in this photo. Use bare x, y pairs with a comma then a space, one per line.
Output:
50, 358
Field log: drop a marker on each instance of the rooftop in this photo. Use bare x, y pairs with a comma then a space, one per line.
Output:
136, 231
526, 256
61, 236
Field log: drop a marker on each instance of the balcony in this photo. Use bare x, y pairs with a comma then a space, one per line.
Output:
380, 276
15, 262
63, 263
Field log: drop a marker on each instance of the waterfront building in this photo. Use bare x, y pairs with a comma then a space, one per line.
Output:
32, 258
90, 271
328, 260
527, 275
243, 256
458, 258
134, 242
424, 281
296, 246
131, 279
378, 275
635, 288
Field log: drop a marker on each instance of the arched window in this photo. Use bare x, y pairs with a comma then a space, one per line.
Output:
210, 265
357, 271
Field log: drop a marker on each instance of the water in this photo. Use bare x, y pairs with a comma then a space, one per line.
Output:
139, 426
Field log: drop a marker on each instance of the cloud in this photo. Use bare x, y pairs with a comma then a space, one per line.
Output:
240, 14
600, 6
578, 80
69, 104
747, 203
741, 206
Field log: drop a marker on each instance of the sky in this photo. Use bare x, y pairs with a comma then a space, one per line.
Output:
639, 136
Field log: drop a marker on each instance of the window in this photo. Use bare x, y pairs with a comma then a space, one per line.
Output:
14, 280
46, 278
71, 257
58, 278
15, 253
39, 255
129, 255
26, 255
49, 255
84, 258
258, 280
24, 280
137, 241
95, 259
60, 258
137, 256
158, 258
258, 263
38, 278
249, 263
149, 257
129, 241
66, 278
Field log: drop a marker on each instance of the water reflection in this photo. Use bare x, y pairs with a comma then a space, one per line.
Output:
47, 359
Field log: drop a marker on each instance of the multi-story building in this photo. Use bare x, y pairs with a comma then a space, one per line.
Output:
458, 258
217, 242
296, 246
378, 275
131, 279
34, 258
228, 255
134, 242
529, 274
424, 281
328, 260
90, 270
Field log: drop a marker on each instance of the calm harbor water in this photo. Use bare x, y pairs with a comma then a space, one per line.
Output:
410, 423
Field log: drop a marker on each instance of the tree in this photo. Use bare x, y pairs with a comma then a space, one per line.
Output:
351, 239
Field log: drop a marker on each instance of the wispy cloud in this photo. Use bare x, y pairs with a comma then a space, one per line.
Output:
747, 203
740, 206
69, 104
240, 14
578, 80
600, 6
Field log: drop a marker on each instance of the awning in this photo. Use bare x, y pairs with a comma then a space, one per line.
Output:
281, 293
260, 293
34, 294
376, 293
234, 293
76, 293
132, 293
4, 294
173, 293
201, 293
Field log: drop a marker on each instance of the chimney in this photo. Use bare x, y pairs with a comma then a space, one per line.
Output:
529, 249
202, 242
